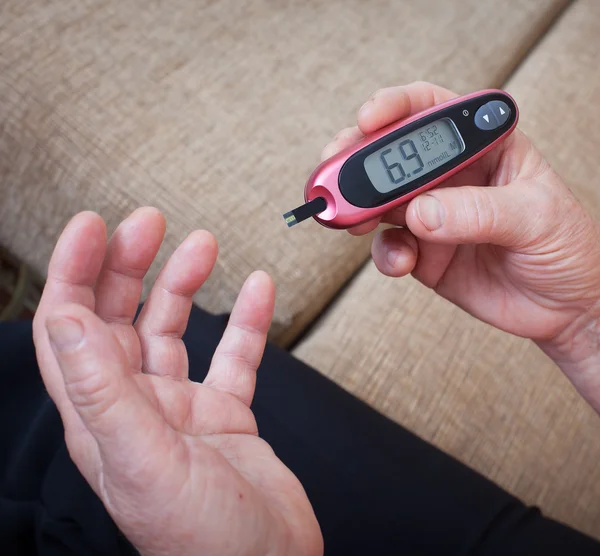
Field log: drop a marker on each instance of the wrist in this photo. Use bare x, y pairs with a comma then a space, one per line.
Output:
576, 351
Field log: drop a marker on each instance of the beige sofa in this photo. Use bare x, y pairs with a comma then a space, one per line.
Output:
216, 111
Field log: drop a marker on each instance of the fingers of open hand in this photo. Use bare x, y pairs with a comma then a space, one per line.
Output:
131, 250
94, 369
164, 318
234, 365
73, 269
76, 262
196, 410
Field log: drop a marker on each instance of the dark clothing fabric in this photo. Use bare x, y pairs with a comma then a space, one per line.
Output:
375, 487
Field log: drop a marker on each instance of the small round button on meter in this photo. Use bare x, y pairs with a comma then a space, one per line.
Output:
485, 119
492, 115
500, 110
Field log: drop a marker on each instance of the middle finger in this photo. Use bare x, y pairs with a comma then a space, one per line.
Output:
130, 252
164, 318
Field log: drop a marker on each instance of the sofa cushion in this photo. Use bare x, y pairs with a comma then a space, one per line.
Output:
216, 113
490, 399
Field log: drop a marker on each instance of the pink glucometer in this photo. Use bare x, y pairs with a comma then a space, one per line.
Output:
390, 167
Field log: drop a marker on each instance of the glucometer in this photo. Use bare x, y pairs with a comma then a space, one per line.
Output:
390, 167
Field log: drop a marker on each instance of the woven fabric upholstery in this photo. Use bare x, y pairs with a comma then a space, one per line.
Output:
216, 111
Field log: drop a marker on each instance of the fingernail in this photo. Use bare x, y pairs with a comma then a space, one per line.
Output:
392, 257
431, 212
65, 333
364, 108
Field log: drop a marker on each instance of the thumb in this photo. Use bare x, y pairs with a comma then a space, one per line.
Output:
100, 386
509, 216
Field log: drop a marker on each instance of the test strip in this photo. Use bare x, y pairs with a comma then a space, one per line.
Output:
312, 208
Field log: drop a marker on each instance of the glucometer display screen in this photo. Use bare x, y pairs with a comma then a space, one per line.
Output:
413, 155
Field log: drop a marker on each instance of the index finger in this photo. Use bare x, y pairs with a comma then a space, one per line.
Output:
396, 103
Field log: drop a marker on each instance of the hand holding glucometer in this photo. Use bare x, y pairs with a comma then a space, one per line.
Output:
391, 166
503, 238
506, 240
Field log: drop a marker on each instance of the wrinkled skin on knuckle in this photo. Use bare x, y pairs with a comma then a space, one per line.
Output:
543, 217
533, 164
486, 213
559, 216
549, 210
91, 392
565, 240
517, 160
476, 213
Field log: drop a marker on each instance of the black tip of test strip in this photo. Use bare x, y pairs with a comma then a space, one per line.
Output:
305, 211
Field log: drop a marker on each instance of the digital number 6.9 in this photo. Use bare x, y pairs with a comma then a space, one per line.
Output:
414, 154
396, 167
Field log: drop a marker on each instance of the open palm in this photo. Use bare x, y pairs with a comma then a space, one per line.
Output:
179, 465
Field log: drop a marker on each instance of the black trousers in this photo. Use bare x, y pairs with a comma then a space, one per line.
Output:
375, 487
